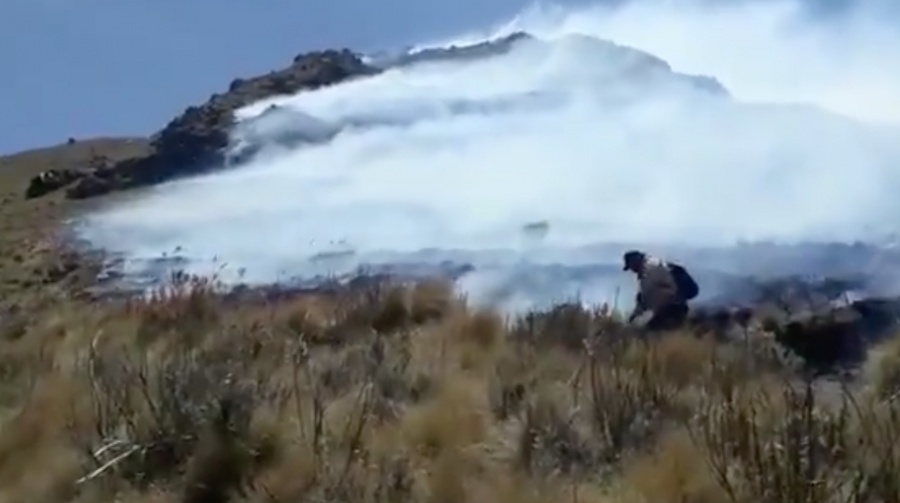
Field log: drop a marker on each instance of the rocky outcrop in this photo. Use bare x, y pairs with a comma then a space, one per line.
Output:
50, 181
480, 50
90, 185
194, 141
840, 336
816, 321
55, 179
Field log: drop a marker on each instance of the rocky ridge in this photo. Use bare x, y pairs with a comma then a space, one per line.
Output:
193, 142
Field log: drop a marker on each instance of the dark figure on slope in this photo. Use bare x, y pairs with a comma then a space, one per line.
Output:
663, 288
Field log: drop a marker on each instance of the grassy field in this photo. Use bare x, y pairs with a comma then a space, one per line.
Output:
403, 393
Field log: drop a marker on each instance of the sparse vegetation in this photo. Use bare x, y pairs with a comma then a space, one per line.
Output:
404, 393
31, 257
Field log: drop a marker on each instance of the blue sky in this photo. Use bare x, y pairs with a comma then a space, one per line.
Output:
101, 67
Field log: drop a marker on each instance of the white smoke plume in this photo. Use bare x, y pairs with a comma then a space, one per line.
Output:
537, 167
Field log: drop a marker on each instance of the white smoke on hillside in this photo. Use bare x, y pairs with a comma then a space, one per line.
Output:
536, 167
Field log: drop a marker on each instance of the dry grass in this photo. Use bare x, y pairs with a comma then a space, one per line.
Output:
397, 394
883, 369
403, 393
30, 257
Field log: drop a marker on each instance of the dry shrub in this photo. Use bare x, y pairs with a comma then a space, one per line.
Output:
387, 307
455, 418
553, 438
186, 414
674, 472
679, 359
386, 393
785, 444
568, 325
628, 406
883, 368
472, 338
184, 307
36, 463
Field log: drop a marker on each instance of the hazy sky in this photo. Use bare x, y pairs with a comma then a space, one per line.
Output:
101, 67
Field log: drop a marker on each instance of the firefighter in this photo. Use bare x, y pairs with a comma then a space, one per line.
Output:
664, 288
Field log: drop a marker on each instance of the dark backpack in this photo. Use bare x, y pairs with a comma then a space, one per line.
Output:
687, 287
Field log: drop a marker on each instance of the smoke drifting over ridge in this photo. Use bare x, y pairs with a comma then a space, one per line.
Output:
526, 173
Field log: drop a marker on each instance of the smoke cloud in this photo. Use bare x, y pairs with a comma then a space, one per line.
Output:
754, 139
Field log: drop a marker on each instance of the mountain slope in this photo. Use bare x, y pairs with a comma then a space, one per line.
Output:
29, 252
195, 141
192, 142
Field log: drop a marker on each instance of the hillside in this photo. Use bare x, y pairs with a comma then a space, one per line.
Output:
193, 142
30, 254
377, 391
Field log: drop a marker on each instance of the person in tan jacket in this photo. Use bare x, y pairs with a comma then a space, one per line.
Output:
663, 288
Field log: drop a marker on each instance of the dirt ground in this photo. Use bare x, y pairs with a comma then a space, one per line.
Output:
30, 257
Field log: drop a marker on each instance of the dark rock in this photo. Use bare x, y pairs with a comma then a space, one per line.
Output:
13, 323
60, 271
838, 337
90, 186
817, 320
795, 294
104, 173
480, 50
719, 321
50, 181
235, 85
194, 141
823, 342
